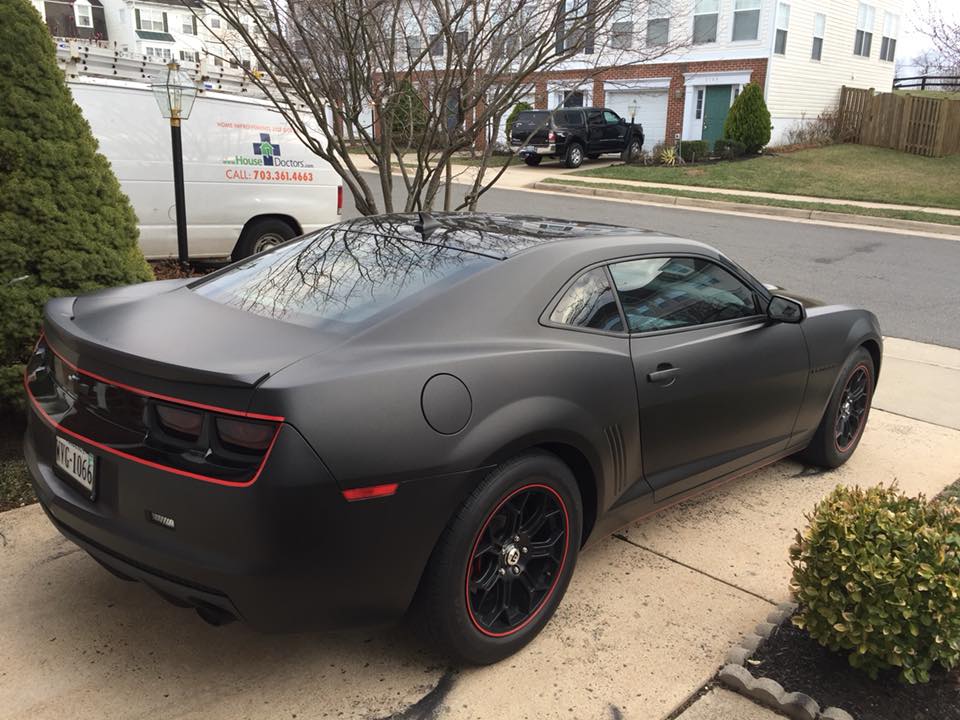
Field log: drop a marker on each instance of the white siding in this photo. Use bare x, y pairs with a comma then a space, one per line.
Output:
800, 88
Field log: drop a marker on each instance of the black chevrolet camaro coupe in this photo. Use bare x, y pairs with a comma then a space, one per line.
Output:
425, 413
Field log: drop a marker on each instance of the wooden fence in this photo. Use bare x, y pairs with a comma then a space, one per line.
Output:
916, 124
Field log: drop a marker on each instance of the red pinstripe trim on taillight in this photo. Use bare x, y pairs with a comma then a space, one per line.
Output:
370, 492
149, 463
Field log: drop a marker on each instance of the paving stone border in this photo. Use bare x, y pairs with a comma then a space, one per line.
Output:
736, 675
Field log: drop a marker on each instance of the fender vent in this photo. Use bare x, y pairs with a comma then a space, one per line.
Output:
615, 441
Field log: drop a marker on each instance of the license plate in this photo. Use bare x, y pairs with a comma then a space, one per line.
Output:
78, 464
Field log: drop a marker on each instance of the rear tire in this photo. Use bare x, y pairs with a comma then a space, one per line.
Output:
261, 235
504, 561
532, 160
573, 157
839, 432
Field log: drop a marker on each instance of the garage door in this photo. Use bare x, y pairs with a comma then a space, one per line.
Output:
651, 111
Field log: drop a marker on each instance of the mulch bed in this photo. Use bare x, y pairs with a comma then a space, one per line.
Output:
172, 270
799, 663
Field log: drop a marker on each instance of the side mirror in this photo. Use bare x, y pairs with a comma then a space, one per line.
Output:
623, 121
783, 309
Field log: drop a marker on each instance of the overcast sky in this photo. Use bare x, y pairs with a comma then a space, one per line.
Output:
912, 42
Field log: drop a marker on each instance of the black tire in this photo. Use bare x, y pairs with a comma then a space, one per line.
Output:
261, 235
835, 441
593, 156
632, 151
450, 602
532, 160
573, 156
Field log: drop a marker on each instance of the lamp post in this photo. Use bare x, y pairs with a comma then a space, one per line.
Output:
175, 96
632, 107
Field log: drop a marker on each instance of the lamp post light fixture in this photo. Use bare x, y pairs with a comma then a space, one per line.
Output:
175, 96
632, 107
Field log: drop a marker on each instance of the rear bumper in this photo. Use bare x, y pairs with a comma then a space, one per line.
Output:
287, 553
525, 150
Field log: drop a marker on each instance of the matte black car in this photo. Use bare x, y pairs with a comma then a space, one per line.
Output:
571, 134
428, 413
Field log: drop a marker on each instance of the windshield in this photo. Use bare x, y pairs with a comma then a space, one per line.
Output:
340, 278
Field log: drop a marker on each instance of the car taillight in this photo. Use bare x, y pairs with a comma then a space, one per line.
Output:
245, 434
339, 199
552, 136
180, 422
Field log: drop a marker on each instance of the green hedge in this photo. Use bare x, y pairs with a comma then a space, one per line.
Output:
65, 226
691, 150
729, 149
877, 577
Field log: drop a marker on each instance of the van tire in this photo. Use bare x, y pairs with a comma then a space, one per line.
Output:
259, 235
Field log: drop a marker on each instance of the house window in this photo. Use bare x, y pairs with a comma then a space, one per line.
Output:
83, 15
699, 113
215, 23
746, 20
574, 25
189, 25
160, 54
151, 20
658, 22
891, 28
705, 16
436, 45
783, 25
819, 25
460, 40
864, 37
414, 47
189, 56
621, 28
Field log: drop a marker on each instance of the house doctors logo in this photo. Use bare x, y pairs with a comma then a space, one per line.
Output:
265, 153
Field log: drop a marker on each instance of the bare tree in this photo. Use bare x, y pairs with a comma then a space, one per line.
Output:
409, 84
944, 34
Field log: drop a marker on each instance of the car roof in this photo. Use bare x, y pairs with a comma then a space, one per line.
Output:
494, 235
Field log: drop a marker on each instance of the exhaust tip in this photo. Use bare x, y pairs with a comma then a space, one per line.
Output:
214, 615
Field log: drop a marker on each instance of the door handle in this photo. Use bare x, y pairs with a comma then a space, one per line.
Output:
664, 375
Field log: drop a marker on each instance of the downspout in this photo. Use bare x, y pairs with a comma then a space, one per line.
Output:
773, 40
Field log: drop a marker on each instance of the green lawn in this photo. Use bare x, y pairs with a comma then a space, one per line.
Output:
771, 202
846, 172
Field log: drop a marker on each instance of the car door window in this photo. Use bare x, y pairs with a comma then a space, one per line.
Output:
611, 117
595, 118
676, 292
589, 303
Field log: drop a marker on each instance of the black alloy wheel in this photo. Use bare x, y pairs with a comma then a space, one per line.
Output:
516, 560
853, 408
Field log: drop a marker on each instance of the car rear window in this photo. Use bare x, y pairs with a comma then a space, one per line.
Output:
340, 278
532, 118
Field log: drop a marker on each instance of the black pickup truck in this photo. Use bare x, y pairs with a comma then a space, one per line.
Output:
572, 133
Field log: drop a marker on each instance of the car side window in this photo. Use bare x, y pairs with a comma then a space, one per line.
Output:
676, 292
589, 303
568, 118
611, 117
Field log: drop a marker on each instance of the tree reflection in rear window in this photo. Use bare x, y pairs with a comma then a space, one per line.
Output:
340, 277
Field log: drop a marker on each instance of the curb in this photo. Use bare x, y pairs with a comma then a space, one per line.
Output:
765, 691
952, 231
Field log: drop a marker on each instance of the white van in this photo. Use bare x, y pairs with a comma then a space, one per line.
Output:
249, 182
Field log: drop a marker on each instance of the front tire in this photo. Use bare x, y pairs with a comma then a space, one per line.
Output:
632, 151
503, 563
839, 432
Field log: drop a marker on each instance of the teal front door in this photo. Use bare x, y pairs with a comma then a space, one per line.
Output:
716, 103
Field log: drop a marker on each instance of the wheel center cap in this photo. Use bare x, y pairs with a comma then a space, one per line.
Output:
511, 555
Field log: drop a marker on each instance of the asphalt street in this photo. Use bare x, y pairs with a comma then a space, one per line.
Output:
912, 283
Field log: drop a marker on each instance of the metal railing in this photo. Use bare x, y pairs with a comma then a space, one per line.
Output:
927, 82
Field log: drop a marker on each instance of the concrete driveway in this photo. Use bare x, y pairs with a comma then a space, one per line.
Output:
648, 618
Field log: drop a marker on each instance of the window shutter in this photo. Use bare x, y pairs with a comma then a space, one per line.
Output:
590, 31
136, 12
561, 27
193, 19
165, 26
